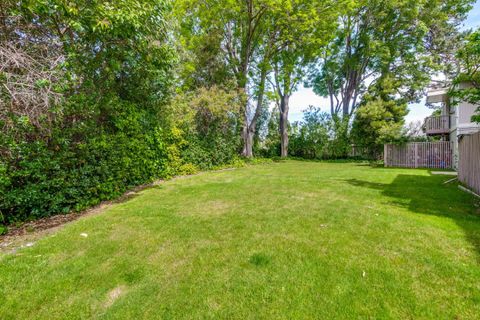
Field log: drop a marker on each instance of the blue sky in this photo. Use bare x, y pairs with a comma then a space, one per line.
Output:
304, 97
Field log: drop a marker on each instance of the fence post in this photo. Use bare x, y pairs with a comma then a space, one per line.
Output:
416, 155
385, 155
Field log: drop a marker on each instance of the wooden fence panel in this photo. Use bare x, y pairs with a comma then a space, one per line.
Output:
469, 161
419, 155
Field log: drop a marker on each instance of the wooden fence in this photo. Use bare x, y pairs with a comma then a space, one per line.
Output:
419, 155
469, 161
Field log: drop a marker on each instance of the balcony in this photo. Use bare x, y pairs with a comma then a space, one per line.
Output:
437, 125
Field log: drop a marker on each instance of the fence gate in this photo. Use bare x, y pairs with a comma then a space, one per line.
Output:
419, 155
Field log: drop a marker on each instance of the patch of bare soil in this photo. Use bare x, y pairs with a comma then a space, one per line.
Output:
114, 295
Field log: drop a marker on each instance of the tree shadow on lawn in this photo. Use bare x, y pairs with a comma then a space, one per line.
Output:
428, 195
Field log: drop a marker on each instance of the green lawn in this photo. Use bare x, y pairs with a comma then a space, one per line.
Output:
289, 240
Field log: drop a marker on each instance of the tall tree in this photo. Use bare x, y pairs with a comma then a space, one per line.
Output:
305, 27
253, 35
259, 84
380, 117
239, 30
385, 38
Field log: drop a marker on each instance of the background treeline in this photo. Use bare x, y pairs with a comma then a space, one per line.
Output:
97, 97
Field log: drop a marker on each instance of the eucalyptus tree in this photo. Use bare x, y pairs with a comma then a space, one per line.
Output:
397, 40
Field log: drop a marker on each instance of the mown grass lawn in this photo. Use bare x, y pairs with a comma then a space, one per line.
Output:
289, 240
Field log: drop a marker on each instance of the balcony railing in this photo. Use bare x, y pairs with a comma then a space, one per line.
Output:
437, 125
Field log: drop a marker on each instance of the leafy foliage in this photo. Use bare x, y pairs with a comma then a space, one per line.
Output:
320, 136
467, 83
114, 126
209, 122
378, 122
380, 117
271, 143
405, 40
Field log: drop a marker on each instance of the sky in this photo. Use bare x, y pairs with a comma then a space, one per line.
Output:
305, 97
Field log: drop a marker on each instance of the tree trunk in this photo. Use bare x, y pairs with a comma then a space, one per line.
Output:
284, 100
247, 136
248, 132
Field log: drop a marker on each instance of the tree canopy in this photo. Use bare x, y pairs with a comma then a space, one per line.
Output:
399, 40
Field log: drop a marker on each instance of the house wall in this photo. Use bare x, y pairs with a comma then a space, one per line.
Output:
460, 118
453, 120
465, 112
454, 140
445, 108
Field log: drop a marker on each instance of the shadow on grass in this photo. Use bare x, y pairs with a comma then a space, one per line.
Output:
428, 195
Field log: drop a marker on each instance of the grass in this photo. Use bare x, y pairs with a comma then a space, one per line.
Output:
289, 240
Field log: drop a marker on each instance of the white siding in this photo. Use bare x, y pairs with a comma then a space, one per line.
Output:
465, 113
454, 140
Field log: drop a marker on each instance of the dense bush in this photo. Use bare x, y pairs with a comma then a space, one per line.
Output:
209, 121
105, 119
319, 136
80, 165
83, 162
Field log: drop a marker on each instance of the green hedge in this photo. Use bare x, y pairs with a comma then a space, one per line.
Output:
47, 176
78, 166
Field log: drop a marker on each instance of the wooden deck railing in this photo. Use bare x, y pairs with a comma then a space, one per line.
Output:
437, 125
